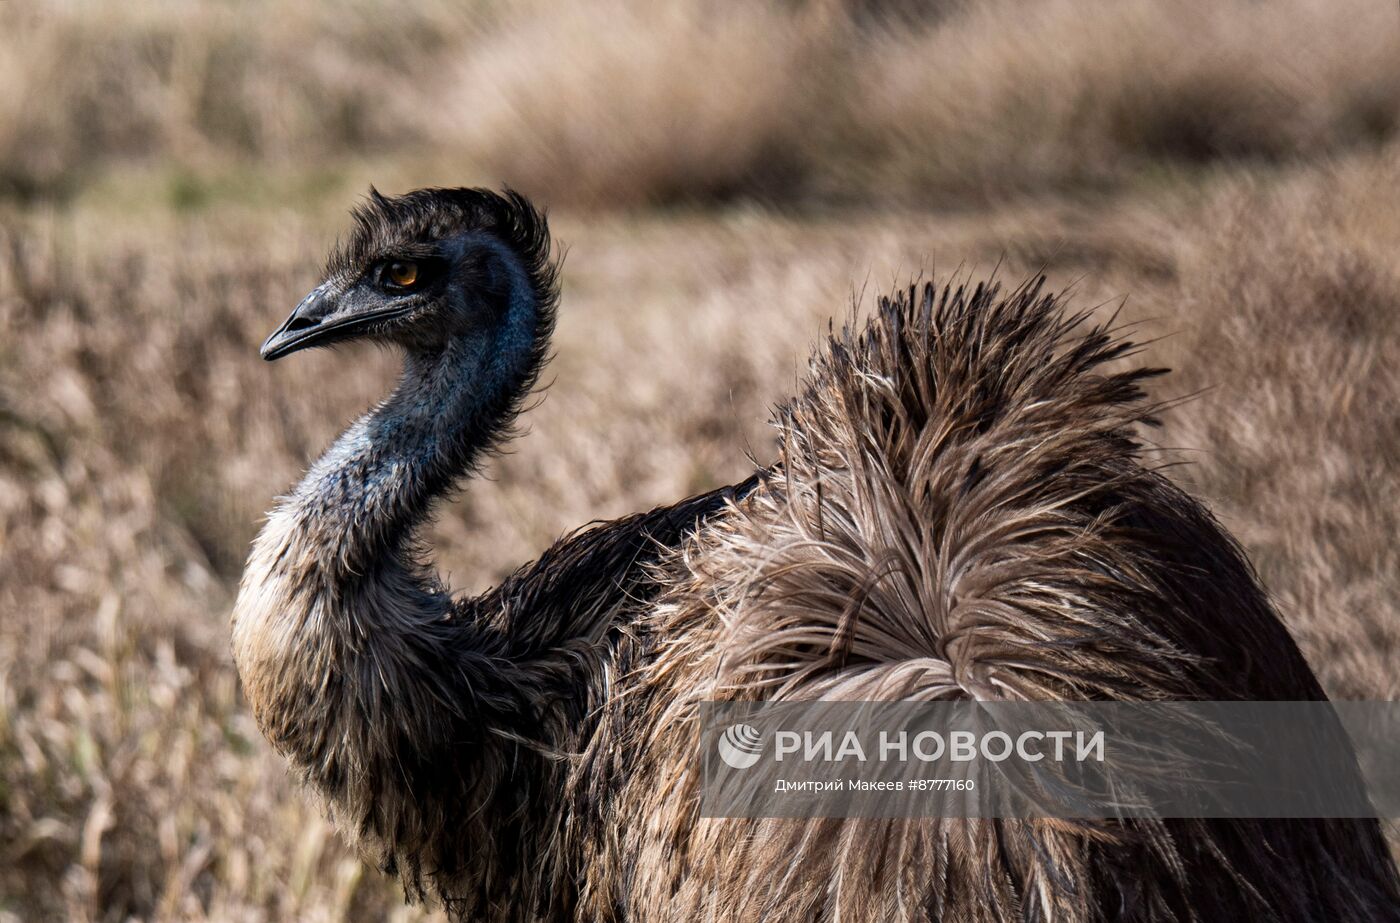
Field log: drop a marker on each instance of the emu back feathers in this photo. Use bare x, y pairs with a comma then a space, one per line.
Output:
961, 508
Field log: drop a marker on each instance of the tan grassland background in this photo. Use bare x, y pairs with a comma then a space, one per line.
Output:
728, 175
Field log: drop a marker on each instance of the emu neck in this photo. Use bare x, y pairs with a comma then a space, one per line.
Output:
362, 500
333, 577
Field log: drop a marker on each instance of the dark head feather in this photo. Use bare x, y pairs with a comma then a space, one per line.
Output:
408, 225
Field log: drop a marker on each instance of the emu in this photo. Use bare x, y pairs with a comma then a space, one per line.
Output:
959, 508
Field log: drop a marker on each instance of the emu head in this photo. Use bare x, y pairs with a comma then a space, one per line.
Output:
428, 268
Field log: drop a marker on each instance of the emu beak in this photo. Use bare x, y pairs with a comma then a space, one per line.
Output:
302, 328
321, 319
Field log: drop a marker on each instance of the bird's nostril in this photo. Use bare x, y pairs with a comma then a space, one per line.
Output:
300, 323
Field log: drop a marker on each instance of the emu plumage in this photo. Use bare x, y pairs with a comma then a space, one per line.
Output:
526, 754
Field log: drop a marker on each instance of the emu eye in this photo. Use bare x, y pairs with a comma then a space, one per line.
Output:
402, 273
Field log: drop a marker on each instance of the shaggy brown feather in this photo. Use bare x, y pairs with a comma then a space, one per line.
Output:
962, 511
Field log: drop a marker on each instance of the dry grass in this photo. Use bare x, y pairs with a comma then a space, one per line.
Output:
626, 102
1015, 97
141, 438
642, 103
1292, 298
207, 83
629, 102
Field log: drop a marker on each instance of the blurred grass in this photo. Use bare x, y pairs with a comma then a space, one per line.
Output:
728, 176
620, 103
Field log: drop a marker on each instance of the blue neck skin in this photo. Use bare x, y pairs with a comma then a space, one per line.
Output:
362, 499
